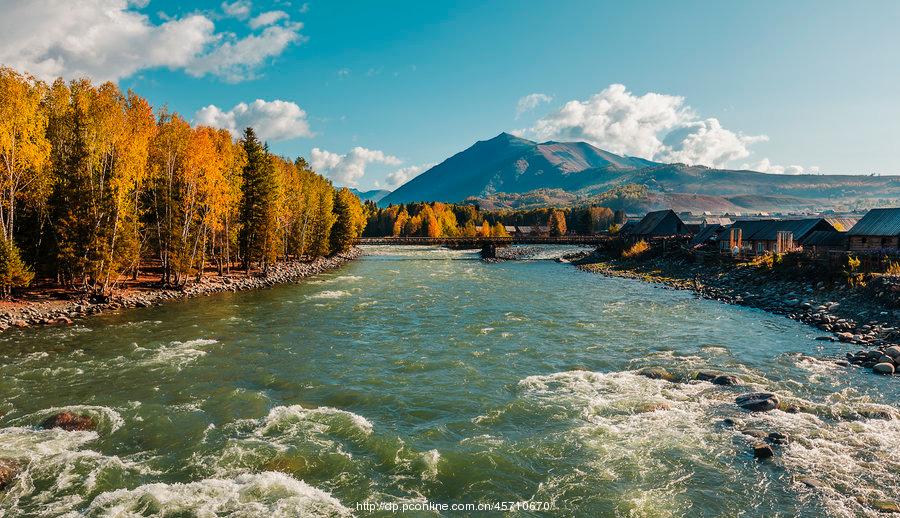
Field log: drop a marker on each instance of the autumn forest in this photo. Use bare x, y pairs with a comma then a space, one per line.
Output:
97, 187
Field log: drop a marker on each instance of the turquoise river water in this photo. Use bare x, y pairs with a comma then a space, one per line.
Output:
420, 376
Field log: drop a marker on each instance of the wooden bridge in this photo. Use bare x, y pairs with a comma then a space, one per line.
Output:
478, 241
488, 245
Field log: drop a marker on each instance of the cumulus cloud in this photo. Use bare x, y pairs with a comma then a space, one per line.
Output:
267, 18
349, 168
706, 142
239, 9
530, 102
653, 126
272, 120
404, 174
766, 166
110, 39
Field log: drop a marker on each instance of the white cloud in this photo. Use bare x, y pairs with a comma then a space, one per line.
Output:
706, 142
530, 102
238, 9
404, 174
653, 126
344, 72
766, 166
272, 120
237, 59
304, 8
267, 18
348, 169
110, 39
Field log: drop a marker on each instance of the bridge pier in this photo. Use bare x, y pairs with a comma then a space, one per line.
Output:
489, 251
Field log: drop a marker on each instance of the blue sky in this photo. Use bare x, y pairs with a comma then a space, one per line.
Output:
766, 85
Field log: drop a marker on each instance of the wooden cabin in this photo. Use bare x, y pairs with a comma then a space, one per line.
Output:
819, 242
763, 236
878, 230
660, 223
706, 235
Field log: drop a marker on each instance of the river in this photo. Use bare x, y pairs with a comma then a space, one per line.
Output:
419, 375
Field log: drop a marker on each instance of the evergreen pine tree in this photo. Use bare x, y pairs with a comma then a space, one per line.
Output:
258, 198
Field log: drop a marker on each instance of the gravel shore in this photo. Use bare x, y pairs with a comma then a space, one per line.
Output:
65, 312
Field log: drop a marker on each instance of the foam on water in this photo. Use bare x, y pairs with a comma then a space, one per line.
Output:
178, 354
60, 472
329, 294
631, 424
258, 495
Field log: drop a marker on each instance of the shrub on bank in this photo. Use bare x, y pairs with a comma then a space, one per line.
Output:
636, 250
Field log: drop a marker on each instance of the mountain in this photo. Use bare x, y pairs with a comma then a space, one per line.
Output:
493, 171
507, 163
375, 194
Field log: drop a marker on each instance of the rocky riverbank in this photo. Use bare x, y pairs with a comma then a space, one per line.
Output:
64, 312
865, 316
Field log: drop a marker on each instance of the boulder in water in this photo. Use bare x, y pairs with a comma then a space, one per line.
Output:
892, 351
776, 438
705, 376
726, 379
656, 373
8, 471
70, 422
758, 401
762, 450
886, 506
883, 368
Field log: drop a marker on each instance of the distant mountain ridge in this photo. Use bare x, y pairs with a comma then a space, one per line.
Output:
374, 195
506, 165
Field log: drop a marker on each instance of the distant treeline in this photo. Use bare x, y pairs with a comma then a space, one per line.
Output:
96, 186
438, 219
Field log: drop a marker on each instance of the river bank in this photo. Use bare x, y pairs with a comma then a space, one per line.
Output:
865, 315
63, 308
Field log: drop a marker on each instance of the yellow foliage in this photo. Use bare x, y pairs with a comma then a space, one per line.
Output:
636, 249
893, 268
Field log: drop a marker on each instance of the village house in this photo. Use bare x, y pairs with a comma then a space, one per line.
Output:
878, 230
530, 230
659, 223
758, 237
708, 234
819, 242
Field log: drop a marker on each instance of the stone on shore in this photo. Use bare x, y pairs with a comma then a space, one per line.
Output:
758, 401
8, 471
883, 368
893, 351
70, 422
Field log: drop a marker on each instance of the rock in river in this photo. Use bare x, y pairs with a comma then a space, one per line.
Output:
762, 450
69, 422
757, 401
883, 368
8, 471
656, 373
726, 379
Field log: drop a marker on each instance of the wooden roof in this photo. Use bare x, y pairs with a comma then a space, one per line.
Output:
878, 222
